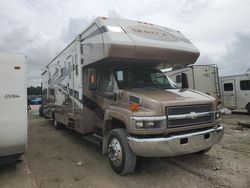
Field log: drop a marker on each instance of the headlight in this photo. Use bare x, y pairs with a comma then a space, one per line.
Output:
217, 114
139, 124
149, 124
145, 124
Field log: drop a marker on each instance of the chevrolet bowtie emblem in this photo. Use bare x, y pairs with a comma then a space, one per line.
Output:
193, 115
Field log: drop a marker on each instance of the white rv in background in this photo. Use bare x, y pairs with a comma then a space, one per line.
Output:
235, 91
204, 78
13, 108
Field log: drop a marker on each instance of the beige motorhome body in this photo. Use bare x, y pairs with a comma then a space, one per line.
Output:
91, 85
235, 91
204, 78
13, 106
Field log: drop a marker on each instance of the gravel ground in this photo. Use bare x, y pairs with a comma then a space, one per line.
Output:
62, 158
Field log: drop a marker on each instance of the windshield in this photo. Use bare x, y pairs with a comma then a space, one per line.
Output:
142, 78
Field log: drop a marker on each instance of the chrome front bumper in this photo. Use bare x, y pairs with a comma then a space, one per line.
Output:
176, 145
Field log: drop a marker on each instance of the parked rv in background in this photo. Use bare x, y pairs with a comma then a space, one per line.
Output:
204, 78
235, 91
13, 106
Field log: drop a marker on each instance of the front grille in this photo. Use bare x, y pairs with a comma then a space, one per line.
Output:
181, 110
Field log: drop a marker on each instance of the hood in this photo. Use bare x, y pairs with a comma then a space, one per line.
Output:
172, 97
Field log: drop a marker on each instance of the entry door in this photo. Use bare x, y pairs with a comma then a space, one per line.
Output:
244, 93
229, 94
71, 92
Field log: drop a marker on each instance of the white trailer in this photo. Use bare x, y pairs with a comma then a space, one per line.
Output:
204, 78
235, 91
13, 108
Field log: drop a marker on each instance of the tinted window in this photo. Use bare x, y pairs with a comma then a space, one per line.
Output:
228, 87
245, 84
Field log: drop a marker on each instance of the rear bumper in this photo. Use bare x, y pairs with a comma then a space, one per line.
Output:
9, 159
176, 145
12, 150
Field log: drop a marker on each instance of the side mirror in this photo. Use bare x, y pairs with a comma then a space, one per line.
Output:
92, 79
117, 95
184, 81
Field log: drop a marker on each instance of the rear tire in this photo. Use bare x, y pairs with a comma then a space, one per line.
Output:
41, 114
204, 151
56, 124
248, 108
121, 157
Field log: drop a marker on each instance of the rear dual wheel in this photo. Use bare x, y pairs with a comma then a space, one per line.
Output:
121, 157
248, 108
56, 124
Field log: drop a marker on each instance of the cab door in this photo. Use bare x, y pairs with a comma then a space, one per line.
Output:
229, 94
105, 92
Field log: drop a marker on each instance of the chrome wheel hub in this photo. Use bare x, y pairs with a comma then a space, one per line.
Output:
115, 152
55, 123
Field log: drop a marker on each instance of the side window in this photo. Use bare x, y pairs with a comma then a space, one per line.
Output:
76, 68
106, 83
245, 84
228, 87
120, 78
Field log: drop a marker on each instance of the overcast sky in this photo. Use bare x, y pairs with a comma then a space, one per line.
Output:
40, 29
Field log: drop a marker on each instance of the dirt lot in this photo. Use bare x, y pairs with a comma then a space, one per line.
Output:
61, 158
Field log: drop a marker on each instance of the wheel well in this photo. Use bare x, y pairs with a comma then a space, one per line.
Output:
110, 125
113, 124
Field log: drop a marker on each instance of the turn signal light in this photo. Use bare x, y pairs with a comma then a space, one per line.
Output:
134, 107
17, 67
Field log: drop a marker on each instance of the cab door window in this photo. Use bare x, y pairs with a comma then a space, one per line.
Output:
106, 83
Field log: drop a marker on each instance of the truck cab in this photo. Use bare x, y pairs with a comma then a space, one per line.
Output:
143, 113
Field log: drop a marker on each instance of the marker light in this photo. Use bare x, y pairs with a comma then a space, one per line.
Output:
134, 107
17, 67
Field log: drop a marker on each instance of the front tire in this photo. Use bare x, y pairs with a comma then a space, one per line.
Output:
121, 157
204, 151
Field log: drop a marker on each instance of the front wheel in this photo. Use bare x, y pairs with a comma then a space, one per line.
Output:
121, 157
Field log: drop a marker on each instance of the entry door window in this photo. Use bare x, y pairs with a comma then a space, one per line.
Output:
106, 84
228, 87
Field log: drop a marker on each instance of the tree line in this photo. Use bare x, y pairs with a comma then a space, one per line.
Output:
34, 90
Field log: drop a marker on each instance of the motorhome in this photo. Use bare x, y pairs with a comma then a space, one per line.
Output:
107, 85
235, 91
204, 78
13, 108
